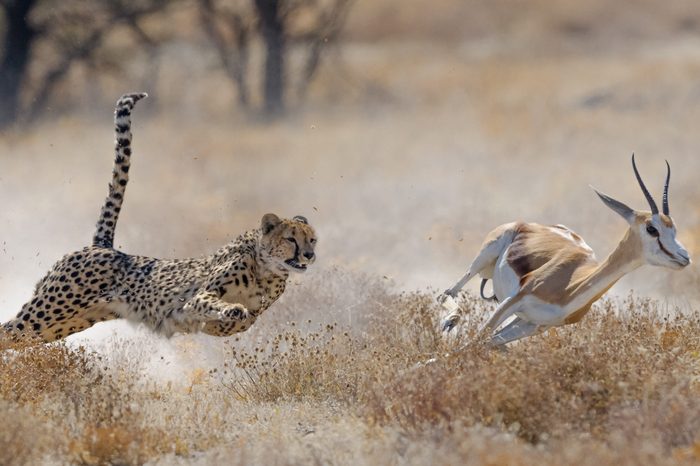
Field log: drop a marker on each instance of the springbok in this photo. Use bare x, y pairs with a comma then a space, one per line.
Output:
548, 276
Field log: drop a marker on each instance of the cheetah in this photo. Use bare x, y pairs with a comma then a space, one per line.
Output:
219, 295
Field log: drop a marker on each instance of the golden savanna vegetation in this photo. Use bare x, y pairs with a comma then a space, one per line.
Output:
427, 124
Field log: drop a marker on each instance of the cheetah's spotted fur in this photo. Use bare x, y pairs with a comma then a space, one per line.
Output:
219, 295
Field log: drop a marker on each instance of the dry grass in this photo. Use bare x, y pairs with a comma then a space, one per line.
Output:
621, 386
74, 408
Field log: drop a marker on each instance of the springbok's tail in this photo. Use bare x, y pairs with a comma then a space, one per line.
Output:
106, 224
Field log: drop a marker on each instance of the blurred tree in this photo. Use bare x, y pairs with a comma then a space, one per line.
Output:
310, 24
43, 40
229, 30
59, 33
17, 44
272, 16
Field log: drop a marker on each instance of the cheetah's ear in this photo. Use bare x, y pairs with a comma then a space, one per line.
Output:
269, 222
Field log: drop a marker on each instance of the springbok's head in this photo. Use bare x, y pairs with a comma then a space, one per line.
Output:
655, 230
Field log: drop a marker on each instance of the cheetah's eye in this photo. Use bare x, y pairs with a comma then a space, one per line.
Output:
291, 239
651, 229
312, 241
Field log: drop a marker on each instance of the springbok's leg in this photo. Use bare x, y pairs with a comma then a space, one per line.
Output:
447, 301
497, 241
447, 298
457, 287
502, 312
515, 330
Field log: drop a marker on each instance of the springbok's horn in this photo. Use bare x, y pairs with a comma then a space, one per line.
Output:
650, 200
668, 179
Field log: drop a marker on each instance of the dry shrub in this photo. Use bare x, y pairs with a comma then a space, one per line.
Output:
122, 442
25, 438
91, 411
619, 387
625, 370
319, 365
478, 445
29, 373
320, 358
333, 363
576, 379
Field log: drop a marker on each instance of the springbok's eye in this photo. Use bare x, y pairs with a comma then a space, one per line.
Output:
651, 229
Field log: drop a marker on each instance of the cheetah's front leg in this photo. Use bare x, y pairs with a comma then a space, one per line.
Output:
219, 317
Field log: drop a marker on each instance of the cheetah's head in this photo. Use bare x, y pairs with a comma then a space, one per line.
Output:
288, 244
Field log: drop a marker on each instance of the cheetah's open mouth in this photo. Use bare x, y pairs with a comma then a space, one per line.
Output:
293, 263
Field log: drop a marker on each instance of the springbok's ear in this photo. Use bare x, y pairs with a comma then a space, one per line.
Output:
621, 209
269, 222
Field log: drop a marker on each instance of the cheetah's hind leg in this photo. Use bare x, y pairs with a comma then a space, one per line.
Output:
19, 329
78, 322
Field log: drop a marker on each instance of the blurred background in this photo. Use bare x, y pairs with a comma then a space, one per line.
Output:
404, 130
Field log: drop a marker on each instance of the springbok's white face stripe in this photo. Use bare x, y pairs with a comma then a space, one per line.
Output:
660, 246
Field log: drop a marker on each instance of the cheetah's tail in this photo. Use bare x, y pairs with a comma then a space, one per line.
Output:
106, 224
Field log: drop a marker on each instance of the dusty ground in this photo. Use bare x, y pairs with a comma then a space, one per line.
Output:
407, 154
